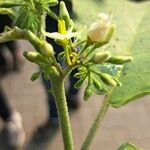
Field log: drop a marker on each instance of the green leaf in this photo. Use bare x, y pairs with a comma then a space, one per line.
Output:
135, 77
128, 146
27, 19
130, 39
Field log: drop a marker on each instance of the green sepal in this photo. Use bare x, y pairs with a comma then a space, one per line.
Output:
35, 76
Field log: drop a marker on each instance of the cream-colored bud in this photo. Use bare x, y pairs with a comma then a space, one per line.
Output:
46, 48
101, 57
33, 56
99, 29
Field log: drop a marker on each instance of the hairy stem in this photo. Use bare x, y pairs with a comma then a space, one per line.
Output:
97, 122
41, 26
59, 94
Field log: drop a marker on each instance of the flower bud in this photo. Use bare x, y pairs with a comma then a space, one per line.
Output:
35, 76
88, 92
120, 59
64, 14
101, 57
108, 79
46, 48
97, 84
99, 29
33, 56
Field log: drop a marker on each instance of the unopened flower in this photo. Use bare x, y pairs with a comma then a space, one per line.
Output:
46, 48
99, 29
120, 59
64, 14
100, 57
33, 56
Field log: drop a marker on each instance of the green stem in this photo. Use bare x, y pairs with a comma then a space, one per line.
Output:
82, 51
89, 52
52, 14
56, 64
59, 94
78, 43
68, 70
97, 122
41, 26
67, 55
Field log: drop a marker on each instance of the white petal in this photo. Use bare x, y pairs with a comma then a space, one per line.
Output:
103, 16
58, 36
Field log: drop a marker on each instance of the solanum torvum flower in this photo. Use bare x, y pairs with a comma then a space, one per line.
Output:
99, 29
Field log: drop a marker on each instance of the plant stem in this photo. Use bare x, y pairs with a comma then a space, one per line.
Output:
89, 52
41, 26
97, 122
59, 94
52, 14
79, 43
85, 47
67, 55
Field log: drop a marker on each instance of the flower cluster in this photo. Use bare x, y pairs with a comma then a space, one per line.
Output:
82, 54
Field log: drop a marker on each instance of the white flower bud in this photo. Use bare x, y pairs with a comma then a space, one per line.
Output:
99, 29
